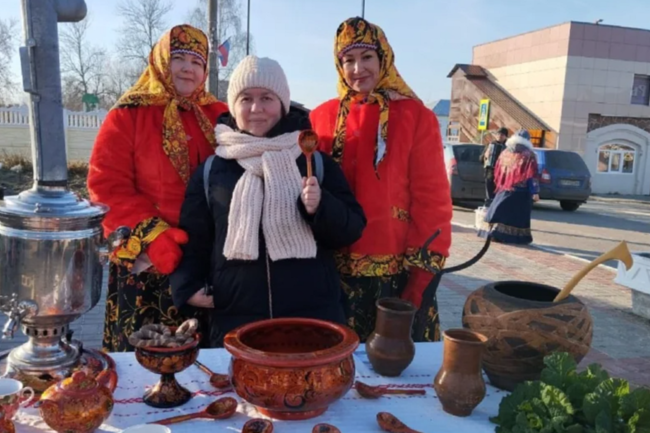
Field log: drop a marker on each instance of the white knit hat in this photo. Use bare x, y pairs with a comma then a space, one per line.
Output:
259, 72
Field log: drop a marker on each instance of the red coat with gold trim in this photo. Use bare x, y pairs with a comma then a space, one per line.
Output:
409, 199
130, 172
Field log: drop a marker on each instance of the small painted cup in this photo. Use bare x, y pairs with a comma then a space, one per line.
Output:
12, 396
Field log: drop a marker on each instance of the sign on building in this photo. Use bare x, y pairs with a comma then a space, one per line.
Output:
484, 115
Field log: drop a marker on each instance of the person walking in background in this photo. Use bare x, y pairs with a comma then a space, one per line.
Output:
517, 187
490, 157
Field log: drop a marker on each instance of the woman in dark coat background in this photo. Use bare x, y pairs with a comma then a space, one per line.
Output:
515, 175
263, 245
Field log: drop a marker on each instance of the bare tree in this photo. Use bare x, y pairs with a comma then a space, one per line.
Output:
82, 64
72, 94
143, 23
8, 39
229, 26
120, 76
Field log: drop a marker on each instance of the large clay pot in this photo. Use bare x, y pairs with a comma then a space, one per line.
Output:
390, 347
523, 325
292, 369
459, 383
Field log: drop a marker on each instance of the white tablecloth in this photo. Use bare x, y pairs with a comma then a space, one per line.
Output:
351, 414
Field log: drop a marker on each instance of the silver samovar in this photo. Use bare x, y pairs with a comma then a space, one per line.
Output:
50, 239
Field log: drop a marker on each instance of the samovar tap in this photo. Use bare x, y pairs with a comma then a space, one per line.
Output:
16, 313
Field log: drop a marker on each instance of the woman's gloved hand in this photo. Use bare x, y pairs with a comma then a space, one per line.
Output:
417, 283
164, 252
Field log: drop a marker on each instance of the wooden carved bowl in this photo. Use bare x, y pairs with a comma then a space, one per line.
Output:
167, 362
523, 325
292, 369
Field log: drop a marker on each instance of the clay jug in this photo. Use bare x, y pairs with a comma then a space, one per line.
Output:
459, 384
390, 347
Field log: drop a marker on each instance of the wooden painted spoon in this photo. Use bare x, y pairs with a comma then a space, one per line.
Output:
217, 380
222, 408
325, 428
369, 391
389, 422
308, 141
258, 425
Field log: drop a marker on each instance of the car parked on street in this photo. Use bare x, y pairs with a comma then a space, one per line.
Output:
563, 176
465, 171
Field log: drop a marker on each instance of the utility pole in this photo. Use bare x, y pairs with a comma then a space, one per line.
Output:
213, 56
363, 8
248, 28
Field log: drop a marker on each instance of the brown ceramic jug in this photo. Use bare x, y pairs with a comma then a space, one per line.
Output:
390, 347
459, 384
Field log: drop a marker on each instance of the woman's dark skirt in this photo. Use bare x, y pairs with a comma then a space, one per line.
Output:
508, 218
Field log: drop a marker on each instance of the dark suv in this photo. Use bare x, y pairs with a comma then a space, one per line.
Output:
563, 176
465, 171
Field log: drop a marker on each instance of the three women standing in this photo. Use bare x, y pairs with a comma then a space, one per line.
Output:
389, 146
153, 139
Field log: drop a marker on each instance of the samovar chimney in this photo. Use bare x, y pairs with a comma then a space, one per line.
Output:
50, 238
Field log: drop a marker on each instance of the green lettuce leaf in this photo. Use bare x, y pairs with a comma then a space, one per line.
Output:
556, 401
509, 407
605, 398
560, 368
640, 421
584, 383
636, 400
604, 423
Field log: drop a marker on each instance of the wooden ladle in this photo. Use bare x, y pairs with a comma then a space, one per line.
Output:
222, 408
620, 252
325, 428
217, 380
258, 425
389, 422
308, 141
369, 391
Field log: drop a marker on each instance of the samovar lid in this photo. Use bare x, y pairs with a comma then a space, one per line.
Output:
53, 209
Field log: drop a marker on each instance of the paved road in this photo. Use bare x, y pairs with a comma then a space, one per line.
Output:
590, 231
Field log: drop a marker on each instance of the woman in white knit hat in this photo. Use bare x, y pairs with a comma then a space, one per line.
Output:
262, 235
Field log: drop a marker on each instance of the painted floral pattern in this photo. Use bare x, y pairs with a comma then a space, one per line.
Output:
134, 301
143, 234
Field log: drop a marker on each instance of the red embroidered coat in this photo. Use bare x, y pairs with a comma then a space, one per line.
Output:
411, 198
130, 172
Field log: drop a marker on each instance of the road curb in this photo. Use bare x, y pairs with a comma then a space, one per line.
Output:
622, 200
545, 249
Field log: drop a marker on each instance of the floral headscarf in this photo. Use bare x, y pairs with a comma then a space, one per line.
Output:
517, 163
359, 33
155, 87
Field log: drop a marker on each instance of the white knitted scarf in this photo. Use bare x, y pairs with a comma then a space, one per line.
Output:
268, 191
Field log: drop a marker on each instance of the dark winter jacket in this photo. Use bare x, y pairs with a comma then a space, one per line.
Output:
298, 287
491, 155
